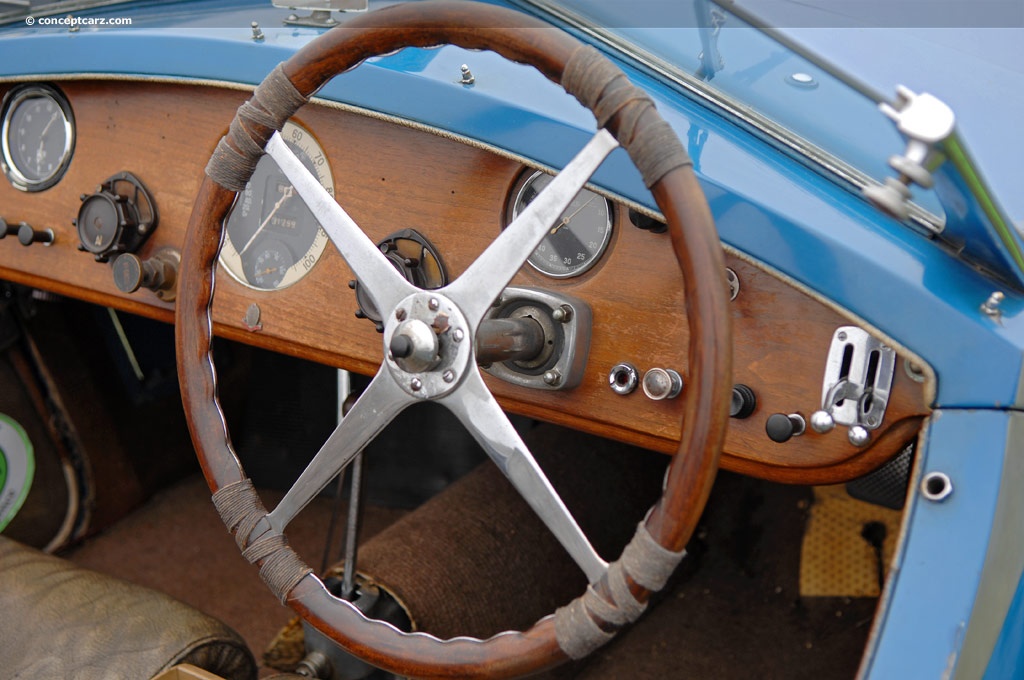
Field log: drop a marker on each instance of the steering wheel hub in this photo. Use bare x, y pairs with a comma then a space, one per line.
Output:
427, 345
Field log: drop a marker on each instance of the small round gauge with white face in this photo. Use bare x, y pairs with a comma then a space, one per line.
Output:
37, 137
271, 237
577, 240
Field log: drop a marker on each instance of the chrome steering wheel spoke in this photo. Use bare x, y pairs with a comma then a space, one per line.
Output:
480, 413
382, 400
484, 280
385, 286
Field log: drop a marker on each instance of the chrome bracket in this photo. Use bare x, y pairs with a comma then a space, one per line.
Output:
855, 390
320, 16
566, 322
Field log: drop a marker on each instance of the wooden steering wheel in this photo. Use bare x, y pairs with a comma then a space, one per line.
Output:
425, 360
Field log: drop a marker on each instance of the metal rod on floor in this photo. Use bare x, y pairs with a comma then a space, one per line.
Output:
352, 528
344, 399
333, 522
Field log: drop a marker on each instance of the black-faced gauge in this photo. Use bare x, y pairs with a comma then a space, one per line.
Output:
270, 262
271, 238
577, 240
117, 218
37, 137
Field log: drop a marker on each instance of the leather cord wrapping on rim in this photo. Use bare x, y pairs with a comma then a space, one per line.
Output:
242, 511
644, 562
604, 89
273, 102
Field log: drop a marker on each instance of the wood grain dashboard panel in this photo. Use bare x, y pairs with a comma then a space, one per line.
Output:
391, 177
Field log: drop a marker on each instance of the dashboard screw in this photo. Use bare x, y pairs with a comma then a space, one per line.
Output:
416, 385
433, 304
252, 318
448, 376
400, 314
458, 335
552, 378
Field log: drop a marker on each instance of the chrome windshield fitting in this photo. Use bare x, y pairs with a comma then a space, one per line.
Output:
935, 156
855, 391
320, 16
925, 122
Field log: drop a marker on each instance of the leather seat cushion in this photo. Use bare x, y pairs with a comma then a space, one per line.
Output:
62, 621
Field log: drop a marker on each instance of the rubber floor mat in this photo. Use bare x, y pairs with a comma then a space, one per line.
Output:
847, 546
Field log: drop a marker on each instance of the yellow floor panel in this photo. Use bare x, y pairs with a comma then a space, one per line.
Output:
836, 560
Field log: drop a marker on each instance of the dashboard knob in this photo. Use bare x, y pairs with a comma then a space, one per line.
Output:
743, 403
7, 229
159, 273
662, 383
27, 235
781, 427
859, 435
822, 422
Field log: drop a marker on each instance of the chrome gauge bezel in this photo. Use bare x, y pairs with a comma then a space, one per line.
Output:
12, 102
537, 258
230, 259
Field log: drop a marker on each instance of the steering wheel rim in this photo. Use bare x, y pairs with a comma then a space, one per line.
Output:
622, 111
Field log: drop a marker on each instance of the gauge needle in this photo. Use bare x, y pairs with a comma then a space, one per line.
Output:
41, 151
288, 193
567, 220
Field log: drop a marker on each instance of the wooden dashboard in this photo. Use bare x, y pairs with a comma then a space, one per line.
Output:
391, 177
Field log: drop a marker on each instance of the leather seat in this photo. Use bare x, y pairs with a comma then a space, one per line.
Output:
62, 621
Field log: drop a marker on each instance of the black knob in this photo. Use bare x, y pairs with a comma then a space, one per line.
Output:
641, 221
27, 235
781, 427
743, 402
7, 229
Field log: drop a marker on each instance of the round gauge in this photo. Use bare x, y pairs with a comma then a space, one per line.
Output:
577, 240
269, 264
98, 223
37, 137
271, 238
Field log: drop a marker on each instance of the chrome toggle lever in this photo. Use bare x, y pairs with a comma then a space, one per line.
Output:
855, 390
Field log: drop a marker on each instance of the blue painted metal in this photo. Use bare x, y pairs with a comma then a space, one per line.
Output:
935, 579
1008, 656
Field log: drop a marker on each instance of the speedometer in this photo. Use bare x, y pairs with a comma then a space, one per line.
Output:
271, 238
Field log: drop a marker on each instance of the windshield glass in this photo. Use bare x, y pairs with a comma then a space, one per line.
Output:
759, 74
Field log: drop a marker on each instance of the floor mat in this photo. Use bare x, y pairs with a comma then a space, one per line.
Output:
848, 545
734, 610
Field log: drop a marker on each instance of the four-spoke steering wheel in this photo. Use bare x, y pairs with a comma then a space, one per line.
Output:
428, 340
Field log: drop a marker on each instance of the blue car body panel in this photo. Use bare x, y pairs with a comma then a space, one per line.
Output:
786, 213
